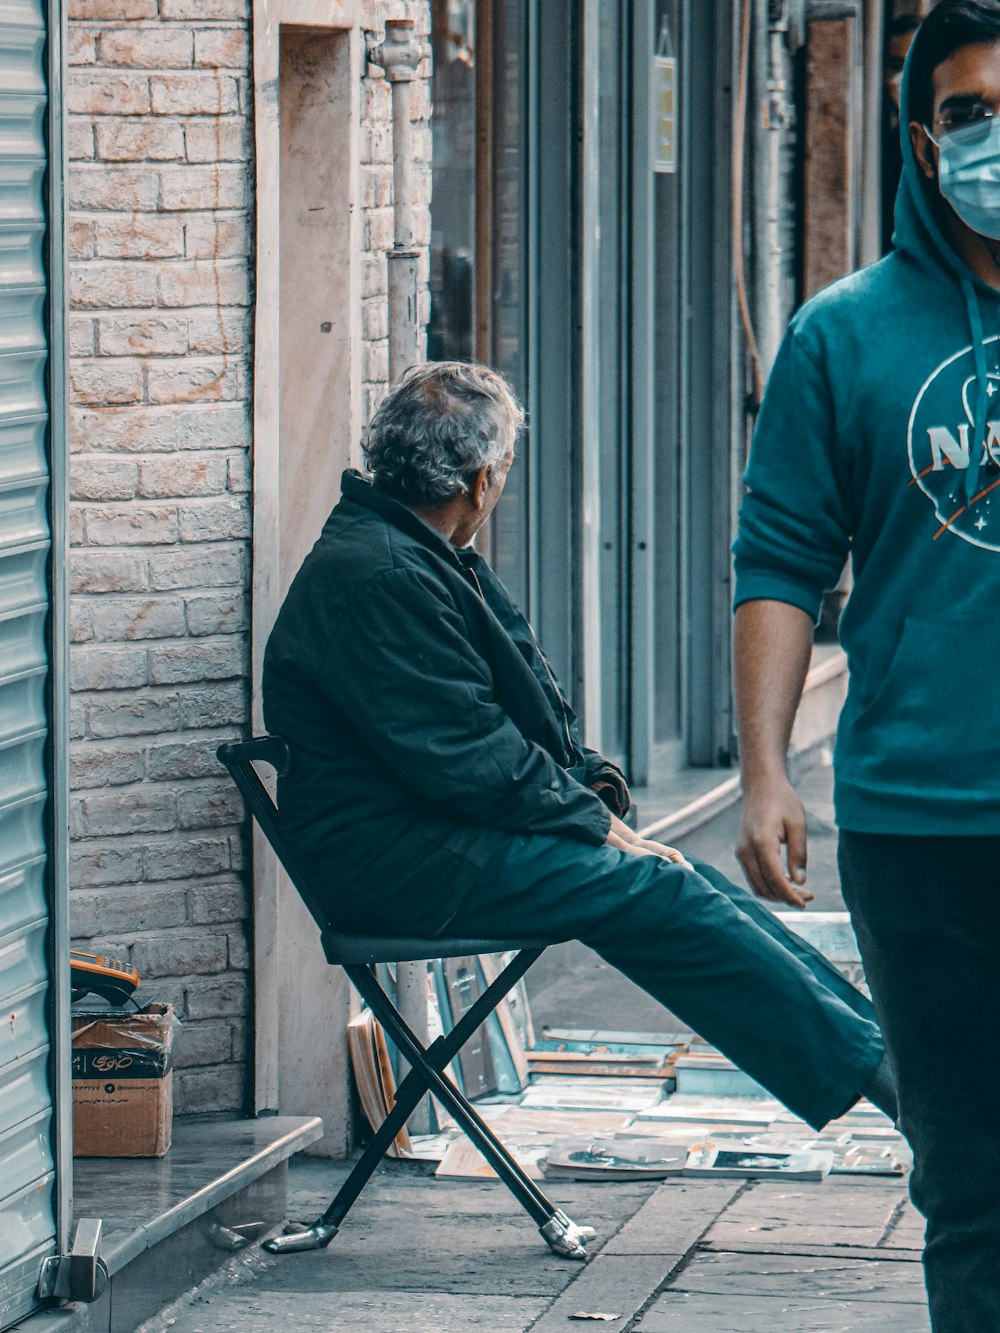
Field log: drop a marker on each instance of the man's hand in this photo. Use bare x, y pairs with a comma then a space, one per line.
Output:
626, 840
774, 816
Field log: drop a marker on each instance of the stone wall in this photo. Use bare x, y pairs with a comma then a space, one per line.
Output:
161, 233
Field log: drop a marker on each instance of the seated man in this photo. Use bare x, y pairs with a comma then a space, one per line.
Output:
439, 785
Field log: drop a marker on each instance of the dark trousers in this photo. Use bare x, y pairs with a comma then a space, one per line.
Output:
700, 945
927, 915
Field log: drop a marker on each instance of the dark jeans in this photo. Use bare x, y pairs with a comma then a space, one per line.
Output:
927, 916
705, 948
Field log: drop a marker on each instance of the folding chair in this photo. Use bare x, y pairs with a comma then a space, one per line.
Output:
358, 955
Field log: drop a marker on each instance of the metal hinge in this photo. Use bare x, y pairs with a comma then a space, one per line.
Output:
80, 1275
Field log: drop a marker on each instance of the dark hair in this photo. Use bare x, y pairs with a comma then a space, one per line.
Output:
904, 24
950, 25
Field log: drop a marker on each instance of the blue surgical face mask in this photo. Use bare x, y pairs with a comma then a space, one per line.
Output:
969, 174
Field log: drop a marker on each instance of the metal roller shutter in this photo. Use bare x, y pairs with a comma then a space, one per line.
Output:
27, 1165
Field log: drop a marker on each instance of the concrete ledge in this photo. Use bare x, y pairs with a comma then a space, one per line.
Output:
169, 1222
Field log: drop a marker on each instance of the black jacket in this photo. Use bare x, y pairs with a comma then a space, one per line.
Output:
425, 724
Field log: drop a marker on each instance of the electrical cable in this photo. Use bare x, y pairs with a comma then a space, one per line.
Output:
739, 153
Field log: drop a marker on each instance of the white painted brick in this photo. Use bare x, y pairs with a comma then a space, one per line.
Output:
81, 238
376, 143
207, 1043
98, 186
173, 760
219, 139
375, 362
107, 571
375, 319
93, 764
204, 282
130, 810
109, 911
104, 286
147, 48
198, 567
80, 139
376, 186
220, 705
162, 430
103, 382
182, 476
110, 864
81, 622
211, 904
81, 47
222, 48
195, 381
77, 719
209, 236
377, 229
130, 525
239, 948
101, 478
192, 662
107, 669
219, 1087
139, 139
92, 92
182, 857
224, 331
180, 953
140, 714
218, 998
127, 618
197, 187
240, 478
215, 614
217, 804
374, 279
203, 93
204, 10
142, 335
214, 520
117, 10
81, 336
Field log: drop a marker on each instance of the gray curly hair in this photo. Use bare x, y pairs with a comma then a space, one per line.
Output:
438, 425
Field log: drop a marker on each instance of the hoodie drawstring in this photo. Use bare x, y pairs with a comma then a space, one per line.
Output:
977, 445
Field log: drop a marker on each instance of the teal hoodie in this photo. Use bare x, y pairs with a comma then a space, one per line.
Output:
879, 435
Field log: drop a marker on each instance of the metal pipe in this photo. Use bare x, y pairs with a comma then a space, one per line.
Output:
400, 55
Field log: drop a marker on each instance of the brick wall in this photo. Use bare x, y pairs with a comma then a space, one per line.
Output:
161, 240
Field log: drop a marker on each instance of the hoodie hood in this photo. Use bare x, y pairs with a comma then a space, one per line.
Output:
918, 235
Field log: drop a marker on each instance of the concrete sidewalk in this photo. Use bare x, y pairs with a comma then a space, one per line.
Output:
420, 1255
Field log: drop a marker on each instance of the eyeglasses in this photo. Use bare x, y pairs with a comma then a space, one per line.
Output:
959, 113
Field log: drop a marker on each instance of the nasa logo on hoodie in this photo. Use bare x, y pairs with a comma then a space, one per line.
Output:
940, 445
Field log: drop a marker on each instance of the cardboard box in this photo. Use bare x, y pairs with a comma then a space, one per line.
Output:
123, 1093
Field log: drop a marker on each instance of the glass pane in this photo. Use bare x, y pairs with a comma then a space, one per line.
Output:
508, 279
667, 266
453, 210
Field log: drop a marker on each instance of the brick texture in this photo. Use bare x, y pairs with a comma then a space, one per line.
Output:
160, 238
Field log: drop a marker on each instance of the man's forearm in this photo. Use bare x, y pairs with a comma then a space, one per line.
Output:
772, 648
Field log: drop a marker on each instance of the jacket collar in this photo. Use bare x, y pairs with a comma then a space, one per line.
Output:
357, 489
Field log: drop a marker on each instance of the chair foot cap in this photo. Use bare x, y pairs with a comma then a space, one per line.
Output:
565, 1238
316, 1237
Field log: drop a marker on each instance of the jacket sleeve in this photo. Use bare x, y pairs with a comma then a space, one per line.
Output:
795, 528
404, 670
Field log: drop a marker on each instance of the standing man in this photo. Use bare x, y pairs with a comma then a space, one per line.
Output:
880, 435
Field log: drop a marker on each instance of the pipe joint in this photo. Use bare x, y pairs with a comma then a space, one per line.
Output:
400, 53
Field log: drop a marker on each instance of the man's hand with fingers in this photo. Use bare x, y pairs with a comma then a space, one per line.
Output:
774, 817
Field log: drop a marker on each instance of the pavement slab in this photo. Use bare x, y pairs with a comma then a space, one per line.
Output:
684, 1312
825, 1214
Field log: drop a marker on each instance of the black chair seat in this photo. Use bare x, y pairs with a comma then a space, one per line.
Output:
343, 949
